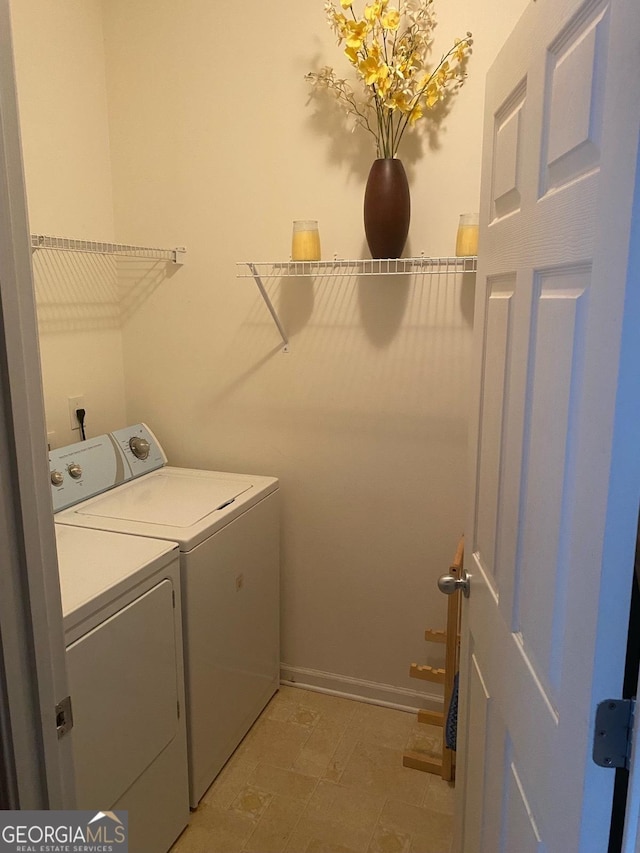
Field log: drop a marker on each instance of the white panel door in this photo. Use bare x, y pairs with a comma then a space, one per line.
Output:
555, 472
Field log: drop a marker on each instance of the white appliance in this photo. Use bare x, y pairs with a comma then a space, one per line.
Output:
227, 529
121, 607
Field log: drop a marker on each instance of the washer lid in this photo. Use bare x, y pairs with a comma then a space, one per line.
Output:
168, 499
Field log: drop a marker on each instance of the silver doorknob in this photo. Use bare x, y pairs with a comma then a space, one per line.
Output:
448, 584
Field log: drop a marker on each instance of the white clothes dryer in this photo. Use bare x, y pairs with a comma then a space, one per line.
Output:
227, 529
123, 636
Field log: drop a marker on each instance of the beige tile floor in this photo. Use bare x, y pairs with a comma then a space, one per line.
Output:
321, 774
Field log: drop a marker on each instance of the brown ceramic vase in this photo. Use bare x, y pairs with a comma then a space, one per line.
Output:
387, 208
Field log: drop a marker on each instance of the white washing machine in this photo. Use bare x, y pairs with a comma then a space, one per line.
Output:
227, 529
121, 607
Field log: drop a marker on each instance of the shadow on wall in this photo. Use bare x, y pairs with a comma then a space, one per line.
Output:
295, 302
382, 300
373, 359
393, 305
137, 280
468, 297
84, 292
335, 310
378, 357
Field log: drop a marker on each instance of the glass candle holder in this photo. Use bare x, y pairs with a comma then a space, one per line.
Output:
305, 243
467, 238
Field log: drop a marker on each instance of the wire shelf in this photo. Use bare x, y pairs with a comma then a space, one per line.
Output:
261, 271
341, 267
68, 244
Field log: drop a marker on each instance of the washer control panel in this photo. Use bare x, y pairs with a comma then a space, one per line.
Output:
140, 448
88, 468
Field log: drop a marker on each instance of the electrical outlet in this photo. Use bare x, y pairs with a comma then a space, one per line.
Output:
75, 403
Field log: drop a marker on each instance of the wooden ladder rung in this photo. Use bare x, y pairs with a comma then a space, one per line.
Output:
431, 718
434, 636
417, 761
427, 673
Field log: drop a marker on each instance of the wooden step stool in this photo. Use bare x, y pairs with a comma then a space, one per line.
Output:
451, 638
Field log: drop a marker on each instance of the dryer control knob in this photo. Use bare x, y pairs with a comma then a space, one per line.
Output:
139, 447
57, 478
75, 471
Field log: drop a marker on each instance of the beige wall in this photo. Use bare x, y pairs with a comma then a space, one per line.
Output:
214, 145
60, 70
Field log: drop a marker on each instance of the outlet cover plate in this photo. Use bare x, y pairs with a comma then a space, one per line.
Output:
75, 403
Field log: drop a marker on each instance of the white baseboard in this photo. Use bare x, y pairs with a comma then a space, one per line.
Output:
373, 692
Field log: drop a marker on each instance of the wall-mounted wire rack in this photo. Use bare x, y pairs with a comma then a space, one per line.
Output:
339, 267
68, 244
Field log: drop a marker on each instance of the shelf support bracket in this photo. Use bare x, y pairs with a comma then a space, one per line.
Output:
269, 304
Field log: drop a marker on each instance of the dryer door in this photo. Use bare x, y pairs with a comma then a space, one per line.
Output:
123, 681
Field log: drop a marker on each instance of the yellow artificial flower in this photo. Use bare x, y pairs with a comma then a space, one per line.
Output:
443, 74
416, 114
376, 74
373, 11
369, 69
352, 55
401, 69
461, 50
389, 45
383, 80
356, 32
375, 51
391, 19
340, 23
399, 101
432, 95
413, 62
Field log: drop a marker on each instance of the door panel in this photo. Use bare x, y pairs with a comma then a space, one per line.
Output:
553, 387
506, 193
479, 706
498, 328
521, 832
574, 100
